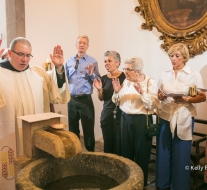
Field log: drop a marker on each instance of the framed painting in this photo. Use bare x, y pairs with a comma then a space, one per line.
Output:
178, 20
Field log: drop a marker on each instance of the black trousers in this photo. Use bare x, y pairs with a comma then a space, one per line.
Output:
111, 130
82, 108
134, 143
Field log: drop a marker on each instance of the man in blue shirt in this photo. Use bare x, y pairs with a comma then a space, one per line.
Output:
81, 70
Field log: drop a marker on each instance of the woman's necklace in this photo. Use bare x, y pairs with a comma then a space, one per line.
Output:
114, 75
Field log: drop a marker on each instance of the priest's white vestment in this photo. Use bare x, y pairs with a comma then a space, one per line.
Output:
23, 93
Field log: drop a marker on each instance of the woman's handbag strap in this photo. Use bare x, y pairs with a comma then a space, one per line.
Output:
148, 109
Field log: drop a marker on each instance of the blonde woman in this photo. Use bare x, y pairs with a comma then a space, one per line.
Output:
177, 119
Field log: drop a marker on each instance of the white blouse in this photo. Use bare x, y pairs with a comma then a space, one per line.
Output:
181, 113
131, 102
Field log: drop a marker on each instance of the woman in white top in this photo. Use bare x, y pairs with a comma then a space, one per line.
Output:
135, 102
177, 113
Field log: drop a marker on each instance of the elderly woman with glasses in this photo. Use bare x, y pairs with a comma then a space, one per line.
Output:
177, 120
137, 99
110, 126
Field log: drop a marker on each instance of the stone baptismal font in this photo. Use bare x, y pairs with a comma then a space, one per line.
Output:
53, 160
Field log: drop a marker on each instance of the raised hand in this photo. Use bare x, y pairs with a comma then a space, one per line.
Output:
90, 68
138, 87
1, 51
97, 83
116, 85
57, 56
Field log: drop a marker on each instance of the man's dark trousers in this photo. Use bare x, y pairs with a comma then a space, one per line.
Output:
82, 108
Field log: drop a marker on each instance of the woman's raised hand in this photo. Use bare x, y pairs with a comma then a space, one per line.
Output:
138, 87
116, 85
97, 83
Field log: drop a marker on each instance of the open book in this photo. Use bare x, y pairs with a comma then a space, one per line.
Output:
177, 94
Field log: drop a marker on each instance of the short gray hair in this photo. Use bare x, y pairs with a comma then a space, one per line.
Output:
19, 40
83, 36
115, 55
136, 63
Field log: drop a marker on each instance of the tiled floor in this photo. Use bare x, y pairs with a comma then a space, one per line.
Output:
152, 169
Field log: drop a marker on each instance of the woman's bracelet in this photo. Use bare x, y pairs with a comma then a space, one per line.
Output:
100, 91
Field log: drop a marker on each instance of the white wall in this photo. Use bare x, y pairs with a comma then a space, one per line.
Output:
3, 24
110, 25
49, 23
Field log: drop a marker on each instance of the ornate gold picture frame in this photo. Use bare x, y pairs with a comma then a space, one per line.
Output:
178, 20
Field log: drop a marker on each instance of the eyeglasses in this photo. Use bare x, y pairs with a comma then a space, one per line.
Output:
127, 69
20, 54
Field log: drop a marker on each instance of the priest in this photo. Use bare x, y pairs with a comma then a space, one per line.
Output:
25, 89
